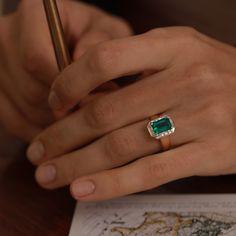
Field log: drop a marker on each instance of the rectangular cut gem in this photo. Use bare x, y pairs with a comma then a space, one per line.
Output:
161, 126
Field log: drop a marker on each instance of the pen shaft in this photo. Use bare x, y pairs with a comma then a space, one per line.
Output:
57, 34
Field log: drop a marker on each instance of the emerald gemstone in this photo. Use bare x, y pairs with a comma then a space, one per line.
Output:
161, 127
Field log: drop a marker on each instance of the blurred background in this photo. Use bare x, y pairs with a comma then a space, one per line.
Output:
0, 7
214, 18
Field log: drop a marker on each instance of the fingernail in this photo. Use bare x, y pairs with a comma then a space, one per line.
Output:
46, 174
54, 101
35, 151
82, 189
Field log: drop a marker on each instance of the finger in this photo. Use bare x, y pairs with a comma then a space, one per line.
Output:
96, 94
144, 174
101, 30
108, 88
107, 61
35, 42
12, 120
91, 19
90, 98
89, 40
97, 119
108, 113
99, 92
115, 149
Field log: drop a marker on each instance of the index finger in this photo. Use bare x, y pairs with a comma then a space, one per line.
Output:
152, 51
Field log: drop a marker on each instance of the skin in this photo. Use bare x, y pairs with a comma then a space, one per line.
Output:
103, 150
27, 62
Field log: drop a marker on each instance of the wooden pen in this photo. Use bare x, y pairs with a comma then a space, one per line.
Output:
57, 34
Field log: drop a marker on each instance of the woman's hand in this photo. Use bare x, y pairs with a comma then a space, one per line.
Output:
27, 62
189, 77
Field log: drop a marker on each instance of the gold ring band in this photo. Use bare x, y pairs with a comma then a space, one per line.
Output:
165, 143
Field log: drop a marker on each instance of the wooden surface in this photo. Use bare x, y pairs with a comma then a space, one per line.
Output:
27, 210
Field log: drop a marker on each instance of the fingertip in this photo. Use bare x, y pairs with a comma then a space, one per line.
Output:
35, 152
82, 189
45, 175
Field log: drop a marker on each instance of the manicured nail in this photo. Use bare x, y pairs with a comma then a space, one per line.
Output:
46, 174
36, 151
54, 101
82, 189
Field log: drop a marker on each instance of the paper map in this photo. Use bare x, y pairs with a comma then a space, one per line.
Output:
158, 215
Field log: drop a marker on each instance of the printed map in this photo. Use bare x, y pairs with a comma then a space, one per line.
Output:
182, 224
208, 215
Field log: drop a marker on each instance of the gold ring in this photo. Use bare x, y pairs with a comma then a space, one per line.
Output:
161, 127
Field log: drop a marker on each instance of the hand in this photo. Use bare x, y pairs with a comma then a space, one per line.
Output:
27, 63
192, 78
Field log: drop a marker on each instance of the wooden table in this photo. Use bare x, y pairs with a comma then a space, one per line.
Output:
27, 210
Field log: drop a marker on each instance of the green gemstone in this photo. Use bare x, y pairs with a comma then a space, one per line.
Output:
161, 126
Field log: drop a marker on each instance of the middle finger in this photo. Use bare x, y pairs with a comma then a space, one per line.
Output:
112, 111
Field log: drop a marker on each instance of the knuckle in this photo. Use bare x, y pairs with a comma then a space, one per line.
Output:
64, 89
188, 31
119, 146
101, 114
161, 171
103, 59
157, 170
183, 33
205, 70
161, 33
204, 77
220, 114
158, 32
187, 37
